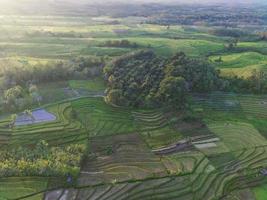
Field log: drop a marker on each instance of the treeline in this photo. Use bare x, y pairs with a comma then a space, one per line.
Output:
42, 160
18, 81
256, 83
15, 73
229, 32
238, 34
119, 44
143, 79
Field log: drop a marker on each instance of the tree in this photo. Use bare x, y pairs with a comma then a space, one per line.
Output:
11, 96
13, 120
114, 96
230, 46
258, 81
33, 88
199, 74
172, 91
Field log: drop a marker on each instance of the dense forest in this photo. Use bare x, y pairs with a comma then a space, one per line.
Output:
141, 78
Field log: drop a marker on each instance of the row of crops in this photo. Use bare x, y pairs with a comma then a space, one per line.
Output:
205, 182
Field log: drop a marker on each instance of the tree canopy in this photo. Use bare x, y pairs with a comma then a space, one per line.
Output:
144, 79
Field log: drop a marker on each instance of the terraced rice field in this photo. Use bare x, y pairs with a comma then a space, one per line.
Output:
161, 137
101, 119
149, 120
205, 181
182, 163
94, 85
155, 128
119, 158
254, 106
94, 118
30, 188
61, 131
12, 188
122, 165
218, 101
247, 105
238, 136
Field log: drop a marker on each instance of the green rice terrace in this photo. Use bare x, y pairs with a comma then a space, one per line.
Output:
132, 102
142, 154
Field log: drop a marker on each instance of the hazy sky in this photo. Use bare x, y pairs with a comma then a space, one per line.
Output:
18, 5
140, 1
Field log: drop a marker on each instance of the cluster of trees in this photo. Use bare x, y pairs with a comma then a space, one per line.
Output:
42, 160
232, 44
206, 15
16, 73
18, 80
70, 34
120, 44
228, 32
256, 83
143, 79
18, 98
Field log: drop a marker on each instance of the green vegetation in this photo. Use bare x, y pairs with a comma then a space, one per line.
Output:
143, 79
91, 85
238, 136
146, 102
260, 192
61, 131
41, 160
13, 188
240, 64
101, 119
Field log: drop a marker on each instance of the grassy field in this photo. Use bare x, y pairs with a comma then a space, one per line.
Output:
13, 188
56, 37
238, 135
241, 64
94, 85
227, 140
260, 192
